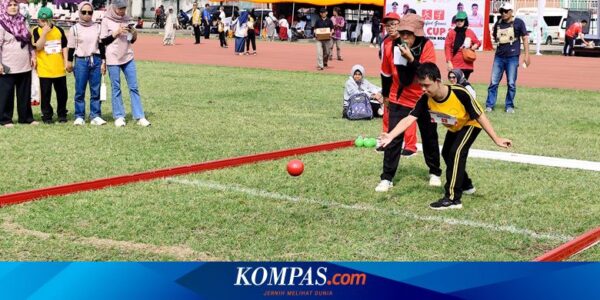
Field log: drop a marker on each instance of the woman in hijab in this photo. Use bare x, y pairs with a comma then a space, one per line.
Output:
170, 25
89, 56
271, 26
16, 61
457, 39
284, 28
241, 31
456, 76
357, 84
117, 38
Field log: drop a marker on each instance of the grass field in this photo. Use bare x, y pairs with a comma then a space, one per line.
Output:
258, 212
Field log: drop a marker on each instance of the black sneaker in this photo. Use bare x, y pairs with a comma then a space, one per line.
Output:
408, 153
445, 203
62, 119
48, 121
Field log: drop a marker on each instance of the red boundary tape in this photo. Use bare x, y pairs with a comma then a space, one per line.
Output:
97, 184
570, 248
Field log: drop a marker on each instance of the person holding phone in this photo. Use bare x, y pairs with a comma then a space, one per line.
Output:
400, 89
16, 61
118, 37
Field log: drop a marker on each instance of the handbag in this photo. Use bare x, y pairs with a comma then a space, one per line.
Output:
469, 55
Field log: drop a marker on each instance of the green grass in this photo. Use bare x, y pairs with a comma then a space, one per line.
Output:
202, 113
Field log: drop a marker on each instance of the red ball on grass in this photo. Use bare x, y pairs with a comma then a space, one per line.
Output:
295, 167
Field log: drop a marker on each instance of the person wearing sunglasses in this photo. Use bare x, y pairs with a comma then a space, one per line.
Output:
88, 54
16, 61
457, 77
509, 33
401, 91
458, 38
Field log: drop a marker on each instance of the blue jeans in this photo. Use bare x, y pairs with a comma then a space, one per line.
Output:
117, 101
87, 69
501, 65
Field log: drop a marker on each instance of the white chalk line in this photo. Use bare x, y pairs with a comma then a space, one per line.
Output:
533, 159
179, 252
369, 208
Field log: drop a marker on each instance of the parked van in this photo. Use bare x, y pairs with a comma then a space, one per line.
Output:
555, 19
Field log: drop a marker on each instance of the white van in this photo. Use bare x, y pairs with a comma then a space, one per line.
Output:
555, 19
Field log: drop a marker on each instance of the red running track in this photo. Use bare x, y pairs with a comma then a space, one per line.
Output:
547, 71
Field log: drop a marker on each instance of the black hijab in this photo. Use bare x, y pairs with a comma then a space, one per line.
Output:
459, 39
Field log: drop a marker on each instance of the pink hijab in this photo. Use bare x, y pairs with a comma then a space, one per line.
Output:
79, 8
111, 14
15, 25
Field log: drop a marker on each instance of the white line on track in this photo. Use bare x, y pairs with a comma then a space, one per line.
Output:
369, 208
533, 159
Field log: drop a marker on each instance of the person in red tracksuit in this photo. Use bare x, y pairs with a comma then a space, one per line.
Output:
400, 59
391, 21
457, 39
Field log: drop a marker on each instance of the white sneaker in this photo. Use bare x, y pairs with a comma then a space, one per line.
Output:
470, 191
384, 186
97, 121
143, 122
120, 122
79, 122
434, 180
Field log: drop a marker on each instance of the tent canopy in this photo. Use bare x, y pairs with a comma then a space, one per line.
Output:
324, 2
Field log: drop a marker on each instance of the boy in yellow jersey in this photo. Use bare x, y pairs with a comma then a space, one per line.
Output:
454, 107
50, 43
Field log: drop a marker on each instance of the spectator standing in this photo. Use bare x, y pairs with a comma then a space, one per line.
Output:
457, 39
17, 59
171, 24
508, 32
375, 30
323, 46
222, 32
240, 32
284, 27
118, 38
339, 23
89, 56
271, 23
206, 20
51, 52
196, 21
251, 37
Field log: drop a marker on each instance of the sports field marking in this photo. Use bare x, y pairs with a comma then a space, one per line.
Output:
533, 159
178, 252
366, 207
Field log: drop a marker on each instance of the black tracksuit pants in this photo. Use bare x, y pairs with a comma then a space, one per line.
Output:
60, 88
429, 139
455, 152
21, 83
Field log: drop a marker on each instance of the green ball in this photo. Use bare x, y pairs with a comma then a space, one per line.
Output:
370, 142
359, 142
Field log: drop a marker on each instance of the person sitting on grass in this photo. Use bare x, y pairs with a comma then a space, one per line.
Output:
357, 84
455, 108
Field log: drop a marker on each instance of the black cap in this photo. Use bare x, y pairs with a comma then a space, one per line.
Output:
322, 10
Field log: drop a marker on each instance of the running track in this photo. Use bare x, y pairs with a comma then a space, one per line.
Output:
549, 71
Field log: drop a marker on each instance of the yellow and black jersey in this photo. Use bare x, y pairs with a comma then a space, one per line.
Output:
50, 60
456, 110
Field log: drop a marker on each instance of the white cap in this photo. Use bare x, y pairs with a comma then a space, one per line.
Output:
506, 6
